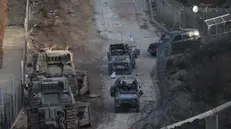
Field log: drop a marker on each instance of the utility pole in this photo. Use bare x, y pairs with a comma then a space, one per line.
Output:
25, 49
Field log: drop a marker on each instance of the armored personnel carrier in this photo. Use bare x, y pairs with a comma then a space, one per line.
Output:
52, 105
126, 92
121, 58
58, 63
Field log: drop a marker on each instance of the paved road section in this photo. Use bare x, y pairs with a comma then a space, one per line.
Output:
116, 20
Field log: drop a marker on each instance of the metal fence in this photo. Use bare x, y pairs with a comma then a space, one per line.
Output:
11, 101
11, 95
175, 15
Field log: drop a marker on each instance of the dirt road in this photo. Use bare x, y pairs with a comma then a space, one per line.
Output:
116, 20
71, 22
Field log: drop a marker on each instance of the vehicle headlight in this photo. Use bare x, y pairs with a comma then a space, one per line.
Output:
196, 33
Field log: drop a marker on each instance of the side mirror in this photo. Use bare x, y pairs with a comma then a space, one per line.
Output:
141, 93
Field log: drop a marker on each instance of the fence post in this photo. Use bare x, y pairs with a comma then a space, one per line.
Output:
211, 122
13, 97
22, 84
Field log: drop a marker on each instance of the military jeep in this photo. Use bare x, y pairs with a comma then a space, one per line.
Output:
126, 92
120, 59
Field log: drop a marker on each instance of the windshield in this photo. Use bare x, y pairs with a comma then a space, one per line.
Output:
124, 58
166, 37
128, 89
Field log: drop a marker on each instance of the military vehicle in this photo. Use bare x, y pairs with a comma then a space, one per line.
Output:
120, 58
181, 40
57, 63
55, 66
126, 92
52, 105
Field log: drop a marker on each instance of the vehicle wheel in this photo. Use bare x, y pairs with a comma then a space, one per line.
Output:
138, 109
129, 71
116, 110
138, 53
153, 54
134, 65
109, 71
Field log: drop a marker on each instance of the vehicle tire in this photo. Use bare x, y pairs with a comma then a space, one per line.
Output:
109, 71
153, 54
138, 109
116, 110
138, 52
134, 65
129, 71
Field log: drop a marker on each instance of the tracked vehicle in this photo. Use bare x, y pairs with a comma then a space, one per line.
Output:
52, 105
54, 72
